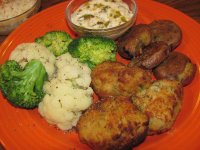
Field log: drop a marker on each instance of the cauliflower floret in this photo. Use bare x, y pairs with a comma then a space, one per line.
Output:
75, 96
67, 94
52, 110
84, 81
57, 87
70, 68
25, 52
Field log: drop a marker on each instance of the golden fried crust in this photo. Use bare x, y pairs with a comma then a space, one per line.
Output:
152, 55
115, 79
133, 42
112, 124
161, 101
177, 67
105, 78
166, 31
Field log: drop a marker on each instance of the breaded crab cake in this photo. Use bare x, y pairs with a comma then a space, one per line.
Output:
112, 124
116, 79
161, 101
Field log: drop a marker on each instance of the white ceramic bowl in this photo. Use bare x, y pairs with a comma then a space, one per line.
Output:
8, 25
110, 32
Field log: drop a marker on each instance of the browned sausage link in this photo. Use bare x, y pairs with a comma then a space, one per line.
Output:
133, 42
152, 55
166, 31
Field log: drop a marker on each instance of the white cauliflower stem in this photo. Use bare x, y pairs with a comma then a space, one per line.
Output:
67, 94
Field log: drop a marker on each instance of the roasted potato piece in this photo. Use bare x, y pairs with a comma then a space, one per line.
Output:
161, 101
152, 55
166, 31
115, 79
112, 124
176, 67
132, 43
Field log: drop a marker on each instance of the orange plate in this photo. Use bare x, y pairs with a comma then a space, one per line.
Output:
25, 129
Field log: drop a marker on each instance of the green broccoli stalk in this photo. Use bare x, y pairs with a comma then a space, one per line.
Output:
93, 50
23, 87
56, 41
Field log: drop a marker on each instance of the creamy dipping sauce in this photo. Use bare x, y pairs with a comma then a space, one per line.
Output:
101, 14
12, 8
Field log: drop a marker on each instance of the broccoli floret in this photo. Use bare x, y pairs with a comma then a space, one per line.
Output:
93, 50
56, 41
23, 87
